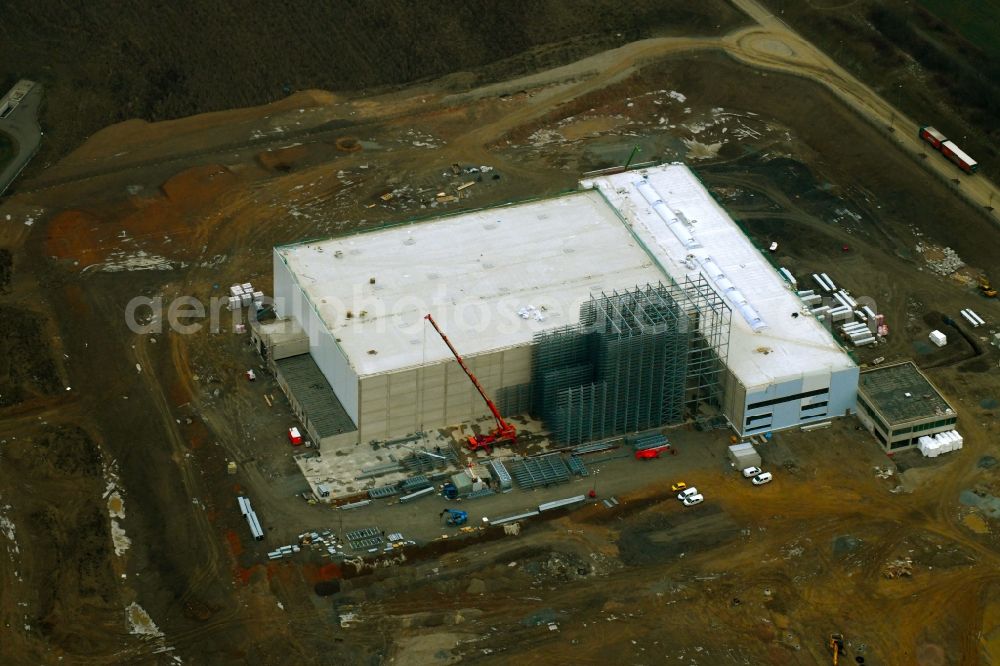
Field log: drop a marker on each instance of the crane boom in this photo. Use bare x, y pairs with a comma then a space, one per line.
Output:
504, 430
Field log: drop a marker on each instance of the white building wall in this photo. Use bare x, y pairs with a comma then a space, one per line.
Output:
291, 302
400, 403
796, 401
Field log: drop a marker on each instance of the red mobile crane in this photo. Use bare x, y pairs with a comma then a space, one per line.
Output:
504, 433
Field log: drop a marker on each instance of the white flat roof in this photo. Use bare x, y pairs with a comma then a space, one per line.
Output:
474, 272
495, 277
796, 346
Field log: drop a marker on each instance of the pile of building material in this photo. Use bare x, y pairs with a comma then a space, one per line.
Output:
744, 455
372, 540
322, 540
367, 538
545, 506
898, 568
559, 504
501, 477
972, 318
243, 295
824, 281
423, 492
859, 334
943, 261
595, 447
543, 471
423, 460
810, 297
943, 442
251, 517
283, 551
787, 274
577, 466
648, 441
842, 307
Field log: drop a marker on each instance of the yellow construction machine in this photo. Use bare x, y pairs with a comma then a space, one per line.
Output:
836, 645
985, 288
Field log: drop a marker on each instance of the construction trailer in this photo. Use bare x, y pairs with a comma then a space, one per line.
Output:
743, 455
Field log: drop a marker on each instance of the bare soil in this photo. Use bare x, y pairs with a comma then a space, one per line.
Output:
170, 61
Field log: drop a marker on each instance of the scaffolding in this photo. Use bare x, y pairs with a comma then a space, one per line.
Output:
638, 359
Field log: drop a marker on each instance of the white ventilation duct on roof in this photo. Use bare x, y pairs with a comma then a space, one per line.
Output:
730, 292
671, 219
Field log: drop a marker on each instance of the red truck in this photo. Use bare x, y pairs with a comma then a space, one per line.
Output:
948, 148
955, 154
932, 136
653, 452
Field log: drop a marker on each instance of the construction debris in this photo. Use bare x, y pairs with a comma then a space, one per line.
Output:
943, 261
898, 569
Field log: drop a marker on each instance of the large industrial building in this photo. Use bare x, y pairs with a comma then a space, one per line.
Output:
632, 303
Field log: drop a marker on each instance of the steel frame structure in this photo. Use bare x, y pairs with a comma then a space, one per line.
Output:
638, 359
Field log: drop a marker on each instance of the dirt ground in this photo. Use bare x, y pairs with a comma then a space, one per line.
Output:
122, 538
99, 69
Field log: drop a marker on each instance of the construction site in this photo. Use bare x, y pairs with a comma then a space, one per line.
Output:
660, 354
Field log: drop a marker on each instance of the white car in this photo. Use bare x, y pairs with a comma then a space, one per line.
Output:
751, 472
687, 492
761, 479
694, 499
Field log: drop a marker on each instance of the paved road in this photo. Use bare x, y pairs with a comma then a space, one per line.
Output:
774, 45
22, 126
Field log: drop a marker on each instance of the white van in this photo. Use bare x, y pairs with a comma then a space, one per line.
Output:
694, 499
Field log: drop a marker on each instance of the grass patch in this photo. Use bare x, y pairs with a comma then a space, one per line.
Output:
975, 20
6, 150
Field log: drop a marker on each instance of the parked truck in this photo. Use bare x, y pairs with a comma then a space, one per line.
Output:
946, 147
932, 136
956, 155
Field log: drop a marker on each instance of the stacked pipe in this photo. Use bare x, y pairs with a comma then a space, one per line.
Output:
788, 276
821, 283
973, 318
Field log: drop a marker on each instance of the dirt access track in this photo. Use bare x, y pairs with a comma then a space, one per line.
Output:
122, 539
